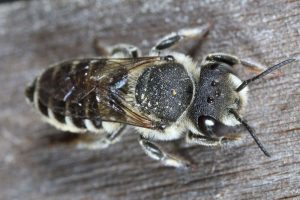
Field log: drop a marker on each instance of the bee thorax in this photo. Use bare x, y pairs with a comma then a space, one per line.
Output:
164, 90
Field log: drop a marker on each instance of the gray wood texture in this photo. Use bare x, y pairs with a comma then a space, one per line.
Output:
35, 163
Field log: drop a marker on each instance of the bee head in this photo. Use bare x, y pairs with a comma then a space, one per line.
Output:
220, 97
215, 97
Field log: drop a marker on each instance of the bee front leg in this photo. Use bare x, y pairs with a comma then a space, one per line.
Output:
174, 38
232, 60
98, 141
156, 153
192, 138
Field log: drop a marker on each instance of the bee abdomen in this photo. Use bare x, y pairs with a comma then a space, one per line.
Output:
29, 92
64, 114
32, 97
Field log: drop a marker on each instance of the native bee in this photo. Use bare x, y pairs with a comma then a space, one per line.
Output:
164, 96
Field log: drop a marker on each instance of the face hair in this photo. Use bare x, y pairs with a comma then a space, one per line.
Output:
267, 71
251, 131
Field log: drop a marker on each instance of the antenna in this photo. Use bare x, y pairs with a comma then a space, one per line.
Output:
251, 131
267, 71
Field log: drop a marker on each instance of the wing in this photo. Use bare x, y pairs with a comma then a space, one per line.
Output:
94, 89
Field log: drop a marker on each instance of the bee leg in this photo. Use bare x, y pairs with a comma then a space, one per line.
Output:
99, 48
117, 51
174, 38
124, 51
192, 138
233, 60
156, 153
98, 141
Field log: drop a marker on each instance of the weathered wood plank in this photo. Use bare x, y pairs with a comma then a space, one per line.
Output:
34, 34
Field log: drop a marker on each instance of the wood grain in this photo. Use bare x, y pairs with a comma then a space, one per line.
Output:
34, 165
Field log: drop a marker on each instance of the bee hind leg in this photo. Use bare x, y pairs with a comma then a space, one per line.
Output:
155, 152
124, 51
121, 50
98, 141
99, 49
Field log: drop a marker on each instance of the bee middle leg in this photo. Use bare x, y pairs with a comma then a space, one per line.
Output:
98, 141
174, 38
157, 153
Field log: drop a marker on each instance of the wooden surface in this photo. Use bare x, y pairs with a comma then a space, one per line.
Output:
34, 163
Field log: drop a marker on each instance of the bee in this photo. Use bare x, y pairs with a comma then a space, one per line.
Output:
165, 96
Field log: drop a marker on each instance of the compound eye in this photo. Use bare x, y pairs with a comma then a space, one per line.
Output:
211, 127
206, 125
